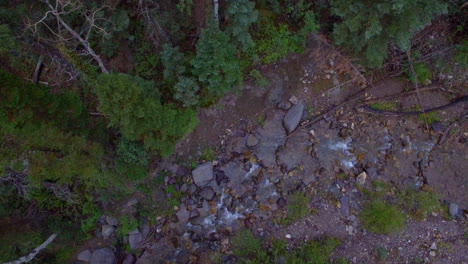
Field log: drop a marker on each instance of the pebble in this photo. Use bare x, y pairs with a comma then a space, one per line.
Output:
434, 246
288, 236
432, 253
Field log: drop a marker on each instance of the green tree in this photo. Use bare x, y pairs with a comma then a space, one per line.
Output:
370, 26
133, 105
242, 14
215, 63
185, 91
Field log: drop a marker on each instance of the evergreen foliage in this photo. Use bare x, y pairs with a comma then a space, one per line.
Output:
185, 91
215, 63
370, 26
132, 105
242, 14
173, 62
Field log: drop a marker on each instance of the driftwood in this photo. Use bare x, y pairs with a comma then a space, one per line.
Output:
35, 251
368, 109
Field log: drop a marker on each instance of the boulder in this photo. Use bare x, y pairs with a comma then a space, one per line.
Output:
107, 230
293, 117
129, 259
203, 174
84, 255
207, 193
135, 239
252, 141
112, 221
183, 214
103, 256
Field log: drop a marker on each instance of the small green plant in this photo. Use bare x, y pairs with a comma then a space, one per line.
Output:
418, 203
261, 120
259, 79
382, 253
422, 73
245, 245
461, 54
127, 225
175, 196
385, 106
298, 207
341, 261
380, 217
208, 154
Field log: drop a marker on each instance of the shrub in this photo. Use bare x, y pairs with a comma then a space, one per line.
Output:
370, 26
242, 14
380, 217
127, 225
259, 79
298, 207
173, 62
245, 245
215, 63
143, 117
185, 91
418, 203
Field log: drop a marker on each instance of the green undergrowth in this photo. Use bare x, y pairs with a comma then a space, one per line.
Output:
298, 207
248, 249
385, 106
386, 208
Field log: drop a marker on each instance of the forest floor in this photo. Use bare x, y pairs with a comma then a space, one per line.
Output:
255, 167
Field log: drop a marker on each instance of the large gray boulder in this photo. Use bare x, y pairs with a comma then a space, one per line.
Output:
135, 239
293, 117
84, 255
203, 174
103, 256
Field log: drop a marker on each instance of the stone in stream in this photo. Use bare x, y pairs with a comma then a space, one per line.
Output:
271, 136
252, 141
293, 117
129, 259
207, 193
103, 256
203, 174
183, 214
344, 201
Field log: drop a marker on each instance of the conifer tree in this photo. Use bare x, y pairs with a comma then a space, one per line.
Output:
370, 26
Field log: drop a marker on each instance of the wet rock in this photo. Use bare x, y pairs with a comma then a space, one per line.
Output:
183, 214
132, 202
275, 93
107, 231
252, 141
284, 105
135, 239
293, 117
112, 221
438, 127
361, 178
129, 259
281, 202
203, 174
236, 174
271, 136
103, 256
207, 193
344, 200
84, 255
453, 210
194, 214
184, 188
